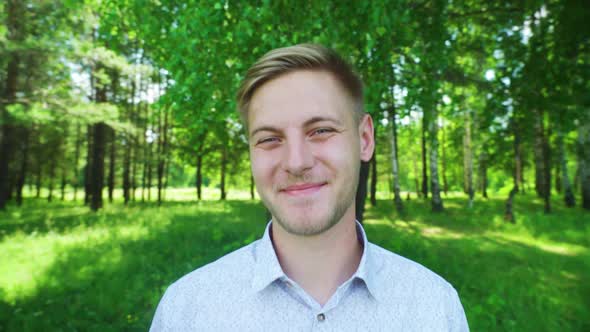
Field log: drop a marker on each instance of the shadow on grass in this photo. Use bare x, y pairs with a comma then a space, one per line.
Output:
566, 225
114, 284
39, 217
504, 285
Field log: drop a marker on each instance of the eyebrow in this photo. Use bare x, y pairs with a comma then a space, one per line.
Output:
307, 123
264, 128
316, 119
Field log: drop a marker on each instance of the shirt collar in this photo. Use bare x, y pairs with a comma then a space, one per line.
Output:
368, 266
266, 263
267, 268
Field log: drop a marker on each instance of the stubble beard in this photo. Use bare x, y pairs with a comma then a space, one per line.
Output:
304, 224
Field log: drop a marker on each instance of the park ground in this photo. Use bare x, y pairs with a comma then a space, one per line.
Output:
64, 268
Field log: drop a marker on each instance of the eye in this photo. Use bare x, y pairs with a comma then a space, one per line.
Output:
322, 131
268, 140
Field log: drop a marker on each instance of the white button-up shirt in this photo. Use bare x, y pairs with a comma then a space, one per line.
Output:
247, 290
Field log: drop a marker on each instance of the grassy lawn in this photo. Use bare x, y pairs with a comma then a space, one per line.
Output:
63, 268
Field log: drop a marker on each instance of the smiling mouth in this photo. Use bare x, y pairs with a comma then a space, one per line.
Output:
303, 189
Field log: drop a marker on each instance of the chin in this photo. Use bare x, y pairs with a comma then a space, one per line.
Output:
304, 225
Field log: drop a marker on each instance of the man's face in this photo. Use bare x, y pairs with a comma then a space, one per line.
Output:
305, 149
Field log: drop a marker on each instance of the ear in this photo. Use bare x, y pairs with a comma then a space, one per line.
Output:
367, 137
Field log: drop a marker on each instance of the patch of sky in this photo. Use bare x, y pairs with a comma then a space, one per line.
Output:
498, 54
490, 74
414, 116
399, 94
446, 99
150, 136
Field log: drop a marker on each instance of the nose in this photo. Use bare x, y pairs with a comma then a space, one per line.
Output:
298, 157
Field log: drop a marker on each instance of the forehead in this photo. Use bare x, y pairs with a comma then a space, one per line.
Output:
293, 98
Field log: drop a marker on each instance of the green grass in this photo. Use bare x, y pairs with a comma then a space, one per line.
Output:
63, 268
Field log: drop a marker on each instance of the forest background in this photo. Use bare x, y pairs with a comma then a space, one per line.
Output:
123, 163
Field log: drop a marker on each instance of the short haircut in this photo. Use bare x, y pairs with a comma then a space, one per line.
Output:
299, 57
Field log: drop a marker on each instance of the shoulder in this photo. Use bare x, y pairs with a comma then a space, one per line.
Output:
232, 269
422, 299
399, 274
204, 291
224, 278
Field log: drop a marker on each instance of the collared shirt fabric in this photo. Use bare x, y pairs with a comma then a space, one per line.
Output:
247, 290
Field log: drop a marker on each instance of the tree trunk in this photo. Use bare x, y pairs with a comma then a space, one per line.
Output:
112, 156
133, 159
584, 162
518, 163
416, 175
11, 185
373, 162
97, 169
134, 140
483, 167
149, 173
444, 161
145, 163
14, 21
199, 176
509, 212
20, 183
361, 191
52, 166
223, 171
558, 177
89, 162
539, 148
147, 151
437, 203
166, 172
568, 194
577, 180
126, 169
76, 161
129, 144
63, 182
162, 156
38, 181
546, 165
397, 199
113, 136
468, 159
97, 166
424, 166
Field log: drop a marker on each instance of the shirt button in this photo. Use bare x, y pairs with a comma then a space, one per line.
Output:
321, 317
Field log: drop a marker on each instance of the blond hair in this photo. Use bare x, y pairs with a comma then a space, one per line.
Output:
299, 57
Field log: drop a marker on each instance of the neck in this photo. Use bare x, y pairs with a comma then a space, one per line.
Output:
320, 263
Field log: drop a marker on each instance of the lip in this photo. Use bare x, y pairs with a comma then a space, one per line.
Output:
303, 189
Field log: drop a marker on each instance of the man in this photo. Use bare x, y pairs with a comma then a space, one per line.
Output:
313, 268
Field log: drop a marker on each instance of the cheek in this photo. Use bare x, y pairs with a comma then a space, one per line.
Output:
263, 164
340, 156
